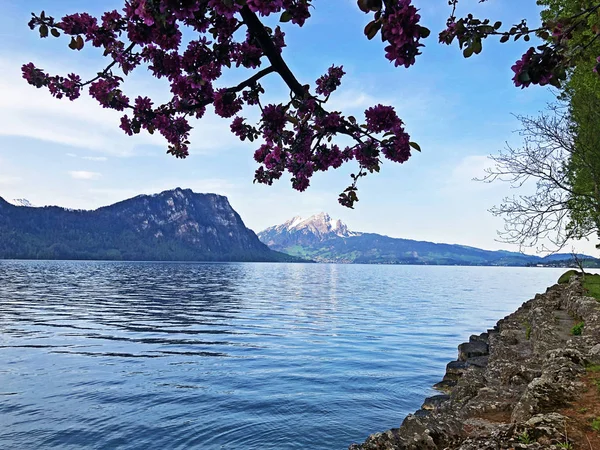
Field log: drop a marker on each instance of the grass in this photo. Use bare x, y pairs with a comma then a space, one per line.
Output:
596, 424
565, 445
565, 277
591, 282
594, 368
577, 329
528, 332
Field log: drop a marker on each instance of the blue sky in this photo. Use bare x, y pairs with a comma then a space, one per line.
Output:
73, 154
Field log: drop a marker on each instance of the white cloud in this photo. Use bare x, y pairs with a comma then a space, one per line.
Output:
34, 113
470, 168
84, 175
95, 158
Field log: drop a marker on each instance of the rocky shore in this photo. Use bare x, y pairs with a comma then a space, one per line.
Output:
531, 382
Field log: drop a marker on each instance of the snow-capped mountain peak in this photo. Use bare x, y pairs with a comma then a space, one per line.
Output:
21, 202
317, 228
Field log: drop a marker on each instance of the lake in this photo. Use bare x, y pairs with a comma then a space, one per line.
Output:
109, 355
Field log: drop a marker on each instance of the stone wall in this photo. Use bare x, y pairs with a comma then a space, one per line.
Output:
508, 384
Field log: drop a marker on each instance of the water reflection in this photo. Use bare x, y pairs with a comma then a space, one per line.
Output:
236, 356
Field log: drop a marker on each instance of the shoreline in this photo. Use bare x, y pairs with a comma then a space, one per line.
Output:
516, 385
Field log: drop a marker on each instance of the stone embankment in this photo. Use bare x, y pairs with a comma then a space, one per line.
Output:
527, 383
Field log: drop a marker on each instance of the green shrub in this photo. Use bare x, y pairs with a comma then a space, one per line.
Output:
565, 277
577, 329
524, 438
596, 424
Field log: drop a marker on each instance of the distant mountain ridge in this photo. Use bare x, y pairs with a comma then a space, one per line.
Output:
20, 202
305, 232
326, 240
175, 225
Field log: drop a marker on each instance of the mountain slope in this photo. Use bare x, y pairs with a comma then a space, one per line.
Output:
316, 238
304, 232
173, 225
21, 202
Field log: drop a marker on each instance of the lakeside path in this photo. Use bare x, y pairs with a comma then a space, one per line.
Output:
531, 382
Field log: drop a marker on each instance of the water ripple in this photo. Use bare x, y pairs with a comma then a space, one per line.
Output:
107, 355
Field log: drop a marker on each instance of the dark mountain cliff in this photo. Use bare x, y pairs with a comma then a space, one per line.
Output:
173, 225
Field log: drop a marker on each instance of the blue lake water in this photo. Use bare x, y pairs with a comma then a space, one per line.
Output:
232, 356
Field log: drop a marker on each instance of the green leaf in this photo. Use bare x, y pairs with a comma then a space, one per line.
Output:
79, 42
285, 17
416, 146
504, 38
363, 5
372, 28
43, 30
468, 52
544, 35
497, 25
424, 32
55, 32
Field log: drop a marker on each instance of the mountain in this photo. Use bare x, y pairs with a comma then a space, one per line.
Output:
20, 202
305, 232
326, 240
173, 225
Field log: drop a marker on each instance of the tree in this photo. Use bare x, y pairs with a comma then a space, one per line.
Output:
298, 136
561, 150
546, 158
561, 155
584, 165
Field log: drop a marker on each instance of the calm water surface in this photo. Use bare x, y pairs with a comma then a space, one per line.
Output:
232, 356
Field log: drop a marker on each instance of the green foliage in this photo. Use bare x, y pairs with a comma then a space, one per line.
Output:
524, 438
591, 283
565, 445
594, 368
577, 329
566, 277
567, 13
596, 424
583, 93
565, 147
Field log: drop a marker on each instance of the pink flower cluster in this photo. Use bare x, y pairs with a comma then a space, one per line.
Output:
536, 67
296, 137
330, 81
402, 31
58, 86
